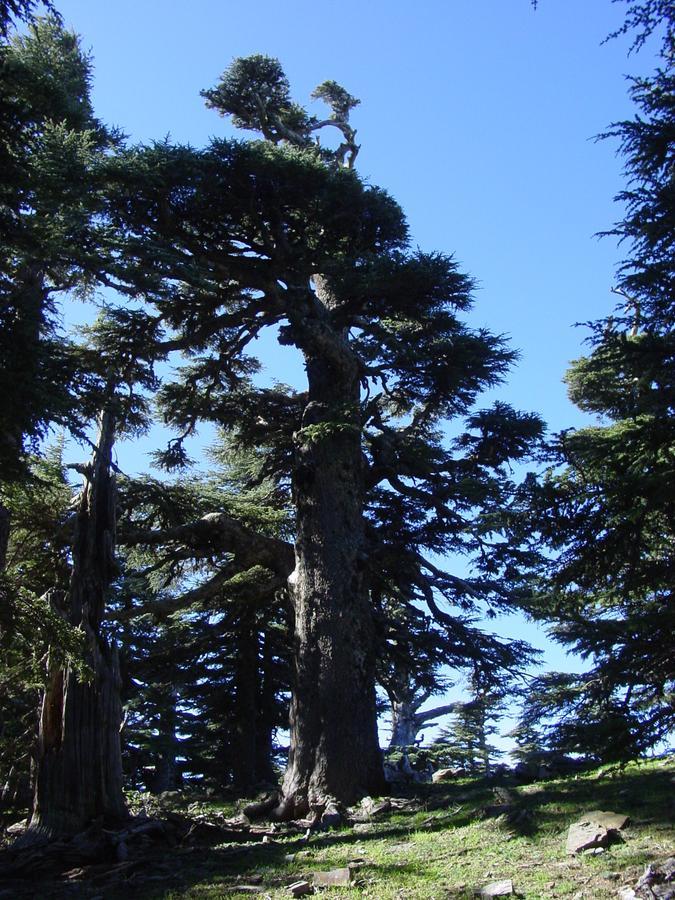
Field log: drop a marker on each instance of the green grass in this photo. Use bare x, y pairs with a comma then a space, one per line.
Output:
450, 850
443, 847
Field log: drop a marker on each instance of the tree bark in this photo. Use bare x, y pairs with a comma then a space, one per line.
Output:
404, 726
406, 722
79, 763
334, 750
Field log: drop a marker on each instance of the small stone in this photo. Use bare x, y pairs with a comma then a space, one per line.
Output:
496, 889
18, 827
627, 893
270, 841
363, 827
333, 878
300, 888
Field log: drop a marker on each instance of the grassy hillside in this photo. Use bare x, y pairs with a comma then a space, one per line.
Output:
439, 841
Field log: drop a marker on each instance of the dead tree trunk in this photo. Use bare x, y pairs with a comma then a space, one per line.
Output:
334, 750
79, 764
407, 722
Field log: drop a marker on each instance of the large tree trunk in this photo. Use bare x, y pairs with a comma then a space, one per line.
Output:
334, 751
79, 764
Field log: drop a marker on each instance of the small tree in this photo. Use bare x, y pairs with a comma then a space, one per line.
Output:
466, 741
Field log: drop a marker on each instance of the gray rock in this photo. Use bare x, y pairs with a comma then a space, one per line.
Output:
610, 820
658, 880
586, 835
372, 808
300, 888
445, 775
333, 878
496, 889
595, 830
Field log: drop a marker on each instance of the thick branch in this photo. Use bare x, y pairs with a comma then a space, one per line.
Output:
223, 586
219, 533
428, 714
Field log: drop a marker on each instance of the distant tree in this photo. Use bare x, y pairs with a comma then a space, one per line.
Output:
37, 563
420, 655
409, 671
78, 775
465, 742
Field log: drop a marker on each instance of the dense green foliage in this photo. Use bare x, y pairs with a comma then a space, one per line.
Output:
607, 508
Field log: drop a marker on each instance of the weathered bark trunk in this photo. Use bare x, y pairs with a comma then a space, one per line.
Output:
404, 724
406, 721
334, 751
483, 749
79, 764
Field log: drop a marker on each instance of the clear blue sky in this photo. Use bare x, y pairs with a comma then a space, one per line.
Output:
477, 115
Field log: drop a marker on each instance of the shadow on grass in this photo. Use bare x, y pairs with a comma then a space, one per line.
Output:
642, 793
